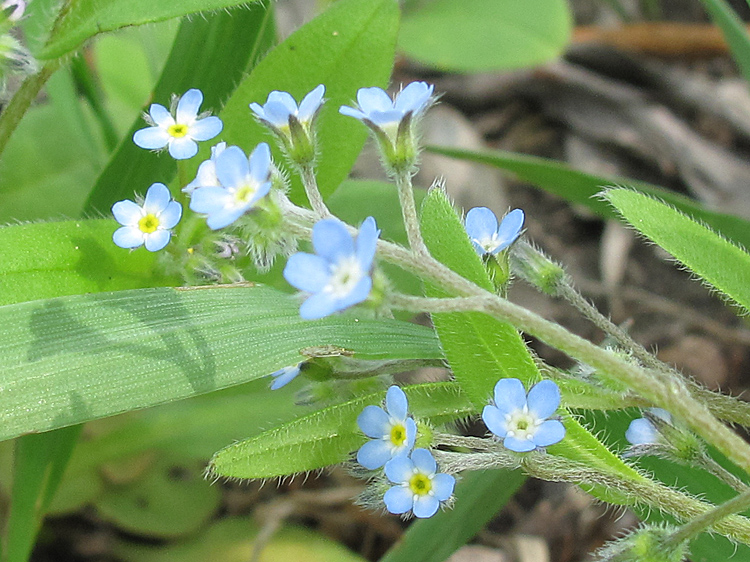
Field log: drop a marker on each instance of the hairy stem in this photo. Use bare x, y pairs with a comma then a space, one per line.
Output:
309, 181
409, 212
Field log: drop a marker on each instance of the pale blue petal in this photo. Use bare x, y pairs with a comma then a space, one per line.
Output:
374, 454
425, 506
398, 499
399, 469
331, 240
411, 433
367, 241
188, 106
223, 218
424, 461
277, 114
396, 403
258, 110
481, 223
183, 148
208, 200
495, 421
352, 112
151, 138
126, 212
311, 103
161, 115
232, 167
544, 399
307, 272
549, 433
519, 445
206, 128
442, 486
373, 99
157, 198
358, 294
128, 237
661, 413
383, 118
414, 97
206, 177
156, 240
283, 98
318, 306
510, 228
284, 376
510, 395
478, 248
260, 163
171, 215
640, 432
374, 422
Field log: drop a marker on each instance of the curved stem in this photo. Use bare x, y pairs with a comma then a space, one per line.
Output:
310, 182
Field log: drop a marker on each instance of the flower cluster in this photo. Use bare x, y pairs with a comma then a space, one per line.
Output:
14, 56
417, 487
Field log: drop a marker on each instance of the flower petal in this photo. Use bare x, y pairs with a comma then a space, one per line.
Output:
398, 499
183, 148
640, 431
383, 118
424, 461
411, 434
544, 399
495, 421
367, 241
277, 114
224, 217
352, 112
258, 110
157, 198
414, 97
425, 506
161, 115
374, 422
311, 103
519, 445
206, 128
399, 469
396, 403
127, 213
373, 99
156, 240
307, 272
151, 138
481, 223
171, 215
284, 376
374, 454
232, 167
282, 98
510, 228
208, 200
549, 433
128, 237
318, 306
358, 294
442, 486
510, 395
331, 240
188, 106
260, 163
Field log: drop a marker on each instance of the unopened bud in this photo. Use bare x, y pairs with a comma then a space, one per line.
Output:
530, 264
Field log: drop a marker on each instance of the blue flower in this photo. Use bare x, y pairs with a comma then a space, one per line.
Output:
284, 376
206, 176
520, 419
242, 183
149, 223
338, 274
180, 128
375, 107
393, 432
419, 488
642, 431
281, 107
486, 235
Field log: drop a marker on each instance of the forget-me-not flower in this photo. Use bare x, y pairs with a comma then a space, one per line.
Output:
338, 275
376, 108
486, 235
280, 108
392, 430
522, 420
149, 224
284, 376
206, 175
642, 431
180, 128
242, 181
419, 488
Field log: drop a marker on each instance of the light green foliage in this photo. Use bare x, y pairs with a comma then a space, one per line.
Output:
734, 32
713, 258
347, 47
329, 435
87, 18
73, 359
483, 35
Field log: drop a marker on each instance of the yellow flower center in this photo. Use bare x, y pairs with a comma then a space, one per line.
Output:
244, 194
178, 131
420, 484
398, 435
149, 223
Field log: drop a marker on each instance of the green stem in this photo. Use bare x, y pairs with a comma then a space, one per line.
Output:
310, 182
715, 518
409, 212
722, 473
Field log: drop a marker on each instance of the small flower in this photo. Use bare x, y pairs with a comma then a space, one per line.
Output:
242, 182
180, 128
486, 235
149, 223
419, 488
642, 431
393, 432
206, 176
14, 9
520, 419
338, 275
284, 376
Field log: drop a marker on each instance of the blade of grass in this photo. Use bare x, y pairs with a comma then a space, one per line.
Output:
734, 32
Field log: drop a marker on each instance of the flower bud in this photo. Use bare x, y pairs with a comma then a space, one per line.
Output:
530, 263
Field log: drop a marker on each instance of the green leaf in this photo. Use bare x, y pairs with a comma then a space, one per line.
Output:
580, 187
484, 35
236, 39
713, 258
328, 436
478, 497
734, 32
73, 359
87, 18
349, 46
